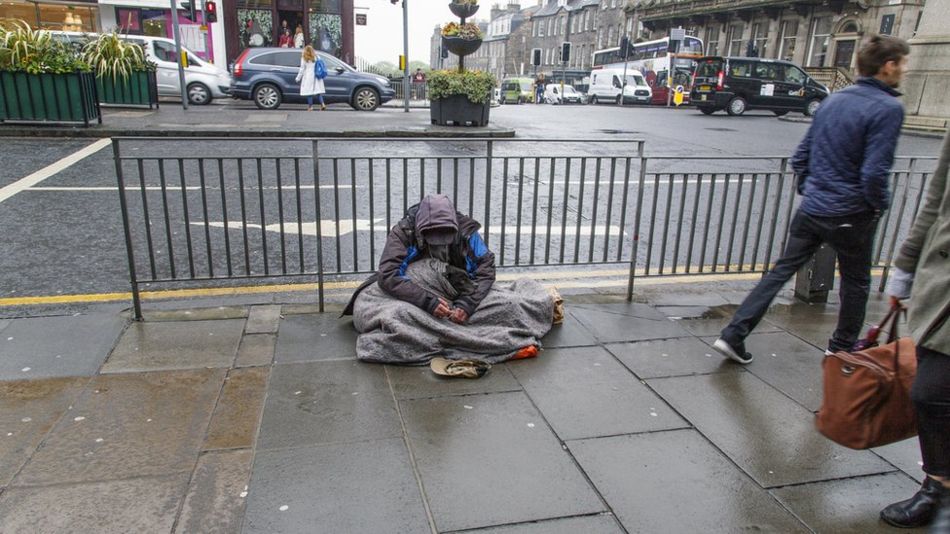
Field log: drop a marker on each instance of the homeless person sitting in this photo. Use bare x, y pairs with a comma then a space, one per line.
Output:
435, 295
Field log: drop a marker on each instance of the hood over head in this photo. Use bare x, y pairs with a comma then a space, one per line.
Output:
436, 220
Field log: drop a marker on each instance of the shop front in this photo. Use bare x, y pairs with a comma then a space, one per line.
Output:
153, 18
76, 16
327, 25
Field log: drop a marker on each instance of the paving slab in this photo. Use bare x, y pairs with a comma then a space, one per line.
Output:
315, 337
599, 524
44, 347
673, 297
119, 506
263, 319
238, 412
570, 333
466, 448
364, 487
28, 410
626, 322
713, 320
765, 433
788, 364
850, 506
584, 392
419, 382
217, 494
215, 313
128, 425
905, 455
678, 482
176, 345
256, 350
325, 402
670, 357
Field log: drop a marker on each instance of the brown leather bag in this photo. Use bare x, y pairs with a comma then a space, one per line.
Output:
866, 399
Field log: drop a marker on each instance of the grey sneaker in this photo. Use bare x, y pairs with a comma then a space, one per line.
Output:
733, 352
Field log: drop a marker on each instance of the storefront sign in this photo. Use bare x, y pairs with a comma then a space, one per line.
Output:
361, 19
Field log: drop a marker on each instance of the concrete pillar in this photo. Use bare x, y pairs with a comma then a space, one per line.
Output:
927, 86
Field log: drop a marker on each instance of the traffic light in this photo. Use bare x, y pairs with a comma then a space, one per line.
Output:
535, 56
565, 52
189, 8
211, 12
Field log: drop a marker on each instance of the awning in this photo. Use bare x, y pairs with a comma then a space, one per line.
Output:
147, 4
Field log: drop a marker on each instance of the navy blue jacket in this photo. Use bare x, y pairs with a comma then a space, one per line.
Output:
846, 157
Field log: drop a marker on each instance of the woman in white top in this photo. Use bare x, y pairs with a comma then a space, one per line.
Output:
298, 37
307, 78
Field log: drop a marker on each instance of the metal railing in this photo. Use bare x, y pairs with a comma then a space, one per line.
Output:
319, 208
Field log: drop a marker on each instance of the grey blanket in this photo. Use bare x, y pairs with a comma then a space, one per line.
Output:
392, 331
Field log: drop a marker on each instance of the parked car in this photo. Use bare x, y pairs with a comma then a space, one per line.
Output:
204, 81
517, 91
606, 86
552, 94
738, 84
268, 77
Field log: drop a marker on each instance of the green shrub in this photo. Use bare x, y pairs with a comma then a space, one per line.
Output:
23, 49
110, 56
476, 85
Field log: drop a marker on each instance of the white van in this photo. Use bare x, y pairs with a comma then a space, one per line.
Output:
606, 84
203, 80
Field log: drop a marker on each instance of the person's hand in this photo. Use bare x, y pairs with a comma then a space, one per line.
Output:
899, 284
442, 309
459, 316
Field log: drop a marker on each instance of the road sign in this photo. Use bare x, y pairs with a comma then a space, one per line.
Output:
677, 34
361, 19
678, 95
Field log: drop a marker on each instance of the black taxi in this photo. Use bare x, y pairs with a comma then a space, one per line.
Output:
738, 84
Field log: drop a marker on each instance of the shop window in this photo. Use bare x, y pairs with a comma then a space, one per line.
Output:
257, 27
326, 33
61, 17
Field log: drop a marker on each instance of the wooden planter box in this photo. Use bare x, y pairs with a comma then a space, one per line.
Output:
140, 89
49, 98
458, 110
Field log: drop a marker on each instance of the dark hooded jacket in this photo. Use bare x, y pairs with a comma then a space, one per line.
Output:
405, 245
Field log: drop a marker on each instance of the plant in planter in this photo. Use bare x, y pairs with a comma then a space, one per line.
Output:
462, 39
123, 75
463, 8
460, 97
42, 79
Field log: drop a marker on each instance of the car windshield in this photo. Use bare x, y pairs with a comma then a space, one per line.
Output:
525, 86
633, 79
568, 90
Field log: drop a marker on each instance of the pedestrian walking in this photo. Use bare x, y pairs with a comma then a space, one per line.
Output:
842, 166
539, 88
922, 273
298, 37
419, 84
310, 77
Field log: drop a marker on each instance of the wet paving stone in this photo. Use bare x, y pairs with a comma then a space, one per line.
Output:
238, 412
263, 319
128, 425
905, 455
765, 433
466, 448
364, 487
216, 313
256, 350
626, 322
789, 365
119, 506
176, 345
419, 382
315, 337
570, 333
678, 482
849, 506
325, 402
28, 410
45, 347
670, 357
599, 524
218, 493
585, 392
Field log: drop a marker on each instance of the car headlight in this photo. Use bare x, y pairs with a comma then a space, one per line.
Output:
383, 81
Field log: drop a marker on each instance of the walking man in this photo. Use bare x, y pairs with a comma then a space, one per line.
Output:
842, 166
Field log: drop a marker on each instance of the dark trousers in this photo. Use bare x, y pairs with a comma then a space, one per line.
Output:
852, 237
931, 395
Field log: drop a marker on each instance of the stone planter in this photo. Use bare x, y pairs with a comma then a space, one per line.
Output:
458, 110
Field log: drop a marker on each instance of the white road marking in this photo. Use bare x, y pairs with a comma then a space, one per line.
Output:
173, 189
44, 173
328, 228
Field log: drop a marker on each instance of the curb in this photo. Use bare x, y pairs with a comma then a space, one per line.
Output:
99, 132
930, 134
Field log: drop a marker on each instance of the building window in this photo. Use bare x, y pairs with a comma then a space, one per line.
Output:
887, 24
820, 40
563, 25
735, 39
712, 40
760, 38
788, 39
587, 18
76, 17
550, 27
610, 36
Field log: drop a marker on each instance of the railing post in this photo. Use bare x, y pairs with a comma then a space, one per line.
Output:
488, 162
316, 196
133, 280
636, 221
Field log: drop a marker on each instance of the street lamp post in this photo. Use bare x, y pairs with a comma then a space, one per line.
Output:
567, 39
181, 68
405, 52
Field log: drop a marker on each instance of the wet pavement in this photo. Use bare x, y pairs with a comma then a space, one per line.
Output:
258, 418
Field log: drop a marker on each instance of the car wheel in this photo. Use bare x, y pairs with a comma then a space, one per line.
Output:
707, 111
618, 101
780, 113
812, 107
267, 96
366, 99
593, 99
736, 106
199, 94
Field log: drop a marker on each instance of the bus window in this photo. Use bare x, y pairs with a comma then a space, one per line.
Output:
691, 45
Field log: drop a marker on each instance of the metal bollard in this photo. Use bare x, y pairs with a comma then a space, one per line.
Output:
817, 277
